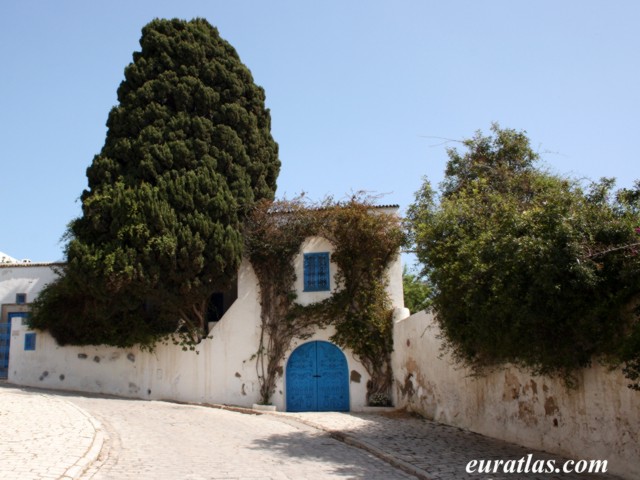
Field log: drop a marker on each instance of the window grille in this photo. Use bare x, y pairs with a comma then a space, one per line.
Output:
316, 272
29, 341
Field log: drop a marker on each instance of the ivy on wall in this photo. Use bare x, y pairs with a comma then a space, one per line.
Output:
366, 240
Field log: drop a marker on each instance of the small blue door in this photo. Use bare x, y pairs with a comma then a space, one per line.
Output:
317, 379
5, 341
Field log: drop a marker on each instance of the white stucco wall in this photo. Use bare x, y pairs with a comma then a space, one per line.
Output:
4, 258
319, 244
395, 290
223, 371
21, 278
313, 245
598, 420
24, 278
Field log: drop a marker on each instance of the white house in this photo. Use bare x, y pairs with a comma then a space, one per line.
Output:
599, 419
224, 368
20, 283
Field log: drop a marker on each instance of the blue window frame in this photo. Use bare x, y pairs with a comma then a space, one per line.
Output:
30, 341
21, 298
316, 272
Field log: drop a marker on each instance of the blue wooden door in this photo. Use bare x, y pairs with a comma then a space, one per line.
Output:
5, 343
317, 379
302, 387
5, 340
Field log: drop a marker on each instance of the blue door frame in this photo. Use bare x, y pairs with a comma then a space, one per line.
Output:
317, 379
5, 342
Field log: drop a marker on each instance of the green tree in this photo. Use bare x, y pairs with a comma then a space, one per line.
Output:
188, 152
417, 292
528, 267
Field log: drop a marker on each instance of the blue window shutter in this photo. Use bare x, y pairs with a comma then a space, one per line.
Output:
317, 276
21, 298
29, 341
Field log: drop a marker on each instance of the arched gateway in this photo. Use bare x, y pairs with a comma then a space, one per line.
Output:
317, 379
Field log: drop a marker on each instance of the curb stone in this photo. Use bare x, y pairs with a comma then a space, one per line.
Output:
93, 453
390, 459
96, 433
361, 444
337, 435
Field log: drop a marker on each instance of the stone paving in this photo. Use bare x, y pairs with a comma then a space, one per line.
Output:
58, 435
161, 440
44, 436
431, 450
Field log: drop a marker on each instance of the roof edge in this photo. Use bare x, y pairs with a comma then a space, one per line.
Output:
32, 264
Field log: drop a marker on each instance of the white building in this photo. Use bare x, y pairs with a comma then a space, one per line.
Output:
224, 369
597, 420
20, 283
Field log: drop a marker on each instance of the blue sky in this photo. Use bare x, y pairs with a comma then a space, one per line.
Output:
357, 91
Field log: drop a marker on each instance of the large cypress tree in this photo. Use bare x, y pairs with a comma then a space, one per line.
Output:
188, 151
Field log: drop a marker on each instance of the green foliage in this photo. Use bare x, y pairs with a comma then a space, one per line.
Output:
496, 159
417, 292
528, 267
273, 235
188, 152
365, 242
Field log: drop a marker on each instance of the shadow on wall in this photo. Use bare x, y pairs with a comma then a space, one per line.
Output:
599, 417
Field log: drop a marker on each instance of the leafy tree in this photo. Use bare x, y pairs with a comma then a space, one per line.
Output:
188, 152
417, 292
529, 267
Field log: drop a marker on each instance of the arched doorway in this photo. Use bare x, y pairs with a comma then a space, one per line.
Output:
317, 379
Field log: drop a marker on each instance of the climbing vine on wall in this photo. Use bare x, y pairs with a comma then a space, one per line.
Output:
366, 240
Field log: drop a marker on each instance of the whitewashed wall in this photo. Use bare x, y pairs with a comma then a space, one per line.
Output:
598, 420
24, 278
223, 371
313, 245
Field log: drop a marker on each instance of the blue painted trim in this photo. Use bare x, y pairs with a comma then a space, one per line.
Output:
5, 341
29, 341
317, 272
12, 315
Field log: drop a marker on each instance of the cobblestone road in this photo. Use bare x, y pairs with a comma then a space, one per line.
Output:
433, 450
49, 435
44, 436
158, 440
